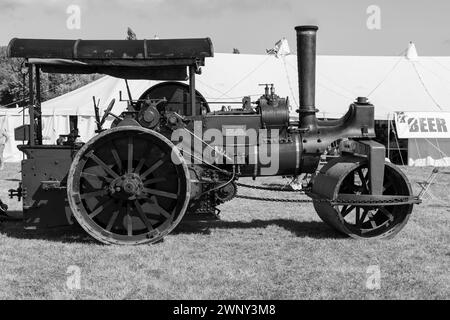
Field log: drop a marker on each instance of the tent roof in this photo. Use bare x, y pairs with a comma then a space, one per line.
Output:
391, 83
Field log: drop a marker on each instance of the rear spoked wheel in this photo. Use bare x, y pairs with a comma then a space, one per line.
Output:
128, 185
350, 176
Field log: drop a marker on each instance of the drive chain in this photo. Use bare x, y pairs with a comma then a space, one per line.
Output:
399, 200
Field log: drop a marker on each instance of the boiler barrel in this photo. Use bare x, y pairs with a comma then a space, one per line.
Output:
282, 159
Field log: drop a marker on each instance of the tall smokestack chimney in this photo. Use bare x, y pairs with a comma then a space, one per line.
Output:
306, 63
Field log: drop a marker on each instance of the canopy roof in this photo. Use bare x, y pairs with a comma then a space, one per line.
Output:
164, 59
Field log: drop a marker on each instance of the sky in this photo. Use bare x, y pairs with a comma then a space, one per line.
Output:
346, 27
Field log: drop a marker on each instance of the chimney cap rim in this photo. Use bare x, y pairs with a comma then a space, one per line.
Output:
307, 28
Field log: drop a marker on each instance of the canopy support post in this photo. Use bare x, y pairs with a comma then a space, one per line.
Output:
31, 105
38, 111
192, 89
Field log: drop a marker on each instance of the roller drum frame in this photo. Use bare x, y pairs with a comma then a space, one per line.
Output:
349, 175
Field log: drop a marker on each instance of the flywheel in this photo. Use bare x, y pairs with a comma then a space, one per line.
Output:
128, 185
349, 177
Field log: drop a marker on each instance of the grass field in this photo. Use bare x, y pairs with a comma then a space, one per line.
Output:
259, 250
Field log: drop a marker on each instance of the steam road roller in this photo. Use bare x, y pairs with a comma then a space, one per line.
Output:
168, 156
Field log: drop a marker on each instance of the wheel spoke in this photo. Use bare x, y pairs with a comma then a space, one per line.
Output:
143, 160
94, 194
152, 210
161, 193
347, 210
129, 221
362, 218
130, 154
363, 180
113, 219
156, 207
154, 180
116, 156
100, 208
372, 222
140, 164
88, 183
87, 176
102, 164
156, 216
162, 211
387, 213
143, 216
155, 166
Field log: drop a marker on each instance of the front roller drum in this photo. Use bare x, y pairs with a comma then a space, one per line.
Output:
128, 185
350, 175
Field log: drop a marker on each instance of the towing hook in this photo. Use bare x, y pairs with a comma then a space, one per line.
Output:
16, 192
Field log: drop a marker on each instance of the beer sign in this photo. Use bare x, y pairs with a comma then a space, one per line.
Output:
422, 124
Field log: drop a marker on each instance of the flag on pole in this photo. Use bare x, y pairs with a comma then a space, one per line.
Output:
280, 49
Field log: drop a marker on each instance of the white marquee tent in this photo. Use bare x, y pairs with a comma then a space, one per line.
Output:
394, 83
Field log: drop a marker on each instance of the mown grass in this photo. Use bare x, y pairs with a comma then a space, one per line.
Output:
259, 250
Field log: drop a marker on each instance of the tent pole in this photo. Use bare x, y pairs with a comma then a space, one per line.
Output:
389, 138
394, 131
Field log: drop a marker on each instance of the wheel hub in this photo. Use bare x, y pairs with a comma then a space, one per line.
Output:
127, 187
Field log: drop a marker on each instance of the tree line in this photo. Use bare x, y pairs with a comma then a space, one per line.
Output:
14, 82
